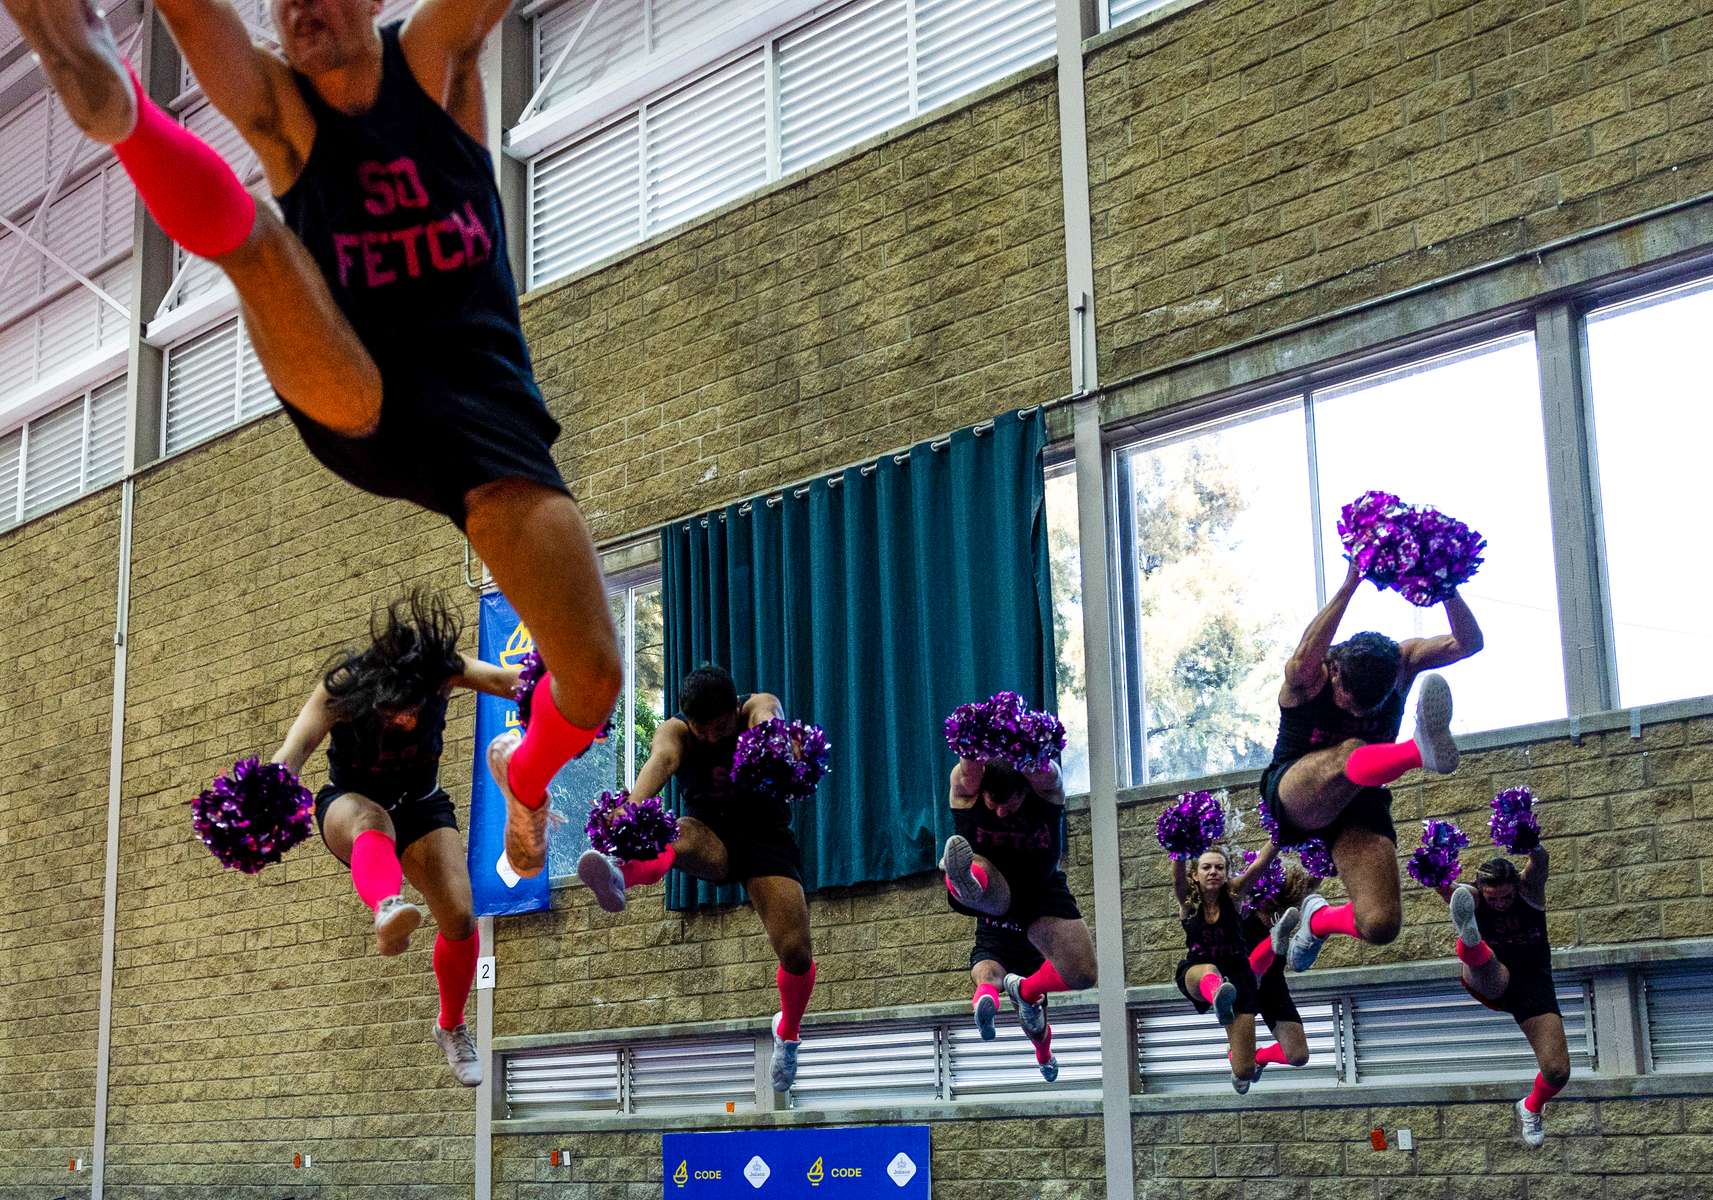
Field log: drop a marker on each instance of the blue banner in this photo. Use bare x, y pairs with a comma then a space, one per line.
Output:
498, 889
798, 1164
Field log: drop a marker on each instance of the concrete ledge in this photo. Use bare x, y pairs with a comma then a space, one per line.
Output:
1582, 1087
1033, 1109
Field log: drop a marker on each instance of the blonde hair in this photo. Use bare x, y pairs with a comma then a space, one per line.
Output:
1192, 903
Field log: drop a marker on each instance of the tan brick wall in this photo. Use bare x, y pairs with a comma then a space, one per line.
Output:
1055, 1158
251, 1017
57, 592
1658, 1148
912, 289
1613, 811
1257, 164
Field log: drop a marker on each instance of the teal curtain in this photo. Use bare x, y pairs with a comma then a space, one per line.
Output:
873, 602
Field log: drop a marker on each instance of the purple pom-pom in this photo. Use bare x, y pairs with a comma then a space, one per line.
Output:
524, 693
1316, 857
630, 830
1417, 551
1190, 824
1004, 729
1435, 863
249, 818
781, 760
1267, 888
1514, 825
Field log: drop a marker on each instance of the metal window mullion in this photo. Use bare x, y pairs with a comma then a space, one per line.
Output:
23, 467
912, 58
88, 436
942, 1063
1344, 1025
642, 173
1584, 601
1105, 15
648, 27
625, 1067
1131, 691
237, 373
770, 80
1311, 446
630, 686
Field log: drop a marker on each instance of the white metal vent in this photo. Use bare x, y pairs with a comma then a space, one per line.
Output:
1120, 11
842, 79
692, 1076
867, 1065
213, 382
104, 454
1006, 1066
1414, 1032
707, 143
11, 464
53, 471
603, 35
1680, 1019
1179, 1050
964, 44
585, 201
553, 1082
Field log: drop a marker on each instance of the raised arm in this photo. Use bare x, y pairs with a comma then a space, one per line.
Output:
1430, 654
487, 677
1181, 885
1305, 671
1048, 784
442, 41
966, 784
664, 755
249, 85
762, 706
314, 722
1247, 877
1535, 876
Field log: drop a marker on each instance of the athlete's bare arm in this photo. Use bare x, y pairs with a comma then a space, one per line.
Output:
487, 677
664, 755
1305, 672
762, 706
310, 729
442, 42
966, 783
1430, 654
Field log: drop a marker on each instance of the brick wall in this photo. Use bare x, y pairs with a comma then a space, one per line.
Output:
1611, 809
1658, 1148
57, 588
1255, 164
251, 1017
915, 288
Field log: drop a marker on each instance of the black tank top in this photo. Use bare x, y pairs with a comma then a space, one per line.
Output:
1517, 935
1221, 942
1026, 846
705, 768
399, 207
387, 763
1320, 722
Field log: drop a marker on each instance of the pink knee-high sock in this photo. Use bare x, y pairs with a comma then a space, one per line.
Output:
1210, 985
375, 869
189, 189
549, 743
1262, 958
985, 989
794, 993
1271, 1055
1334, 918
649, 870
1045, 980
454, 972
1476, 955
1380, 764
1044, 1047
1543, 1091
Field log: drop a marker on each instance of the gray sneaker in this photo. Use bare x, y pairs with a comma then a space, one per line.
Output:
460, 1050
986, 1009
1225, 1004
604, 879
1284, 929
395, 920
1033, 1017
1050, 1068
784, 1058
1433, 726
1305, 946
1463, 915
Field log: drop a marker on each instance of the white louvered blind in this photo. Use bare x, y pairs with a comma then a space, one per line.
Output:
1680, 1019
692, 1076
104, 444
63, 454
11, 468
9, 35
1120, 11
791, 100
213, 382
1006, 1066
554, 1082
53, 470
867, 1065
1414, 1032
610, 40
53, 337
1179, 1050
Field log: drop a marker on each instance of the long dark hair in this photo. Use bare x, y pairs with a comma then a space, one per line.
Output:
413, 651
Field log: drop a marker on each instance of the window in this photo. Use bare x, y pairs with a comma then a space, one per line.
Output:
1065, 561
1179, 1050
764, 110
691, 1076
640, 619
1652, 426
1679, 1020
1415, 1032
859, 1066
978, 1070
1120, 11
61, 455
551, 1083
214, 382
1219, 539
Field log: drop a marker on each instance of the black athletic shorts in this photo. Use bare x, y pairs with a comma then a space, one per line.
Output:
412, 819
436, 443
1236, 972
1007, 944
754, 848
1273, 997
1529, 994
1048, 897
1371, 809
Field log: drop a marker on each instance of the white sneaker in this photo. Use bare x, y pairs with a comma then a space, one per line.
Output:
1033, 1017
1534, 1128
784, 1058
605, 880
395, 920
1284, 929
1433, 726
1463, 915
1305, 946
461, 1056
526, 827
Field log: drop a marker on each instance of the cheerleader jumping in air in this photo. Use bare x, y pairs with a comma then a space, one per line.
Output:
730, 833
382, 811
1002, 867
1271, 915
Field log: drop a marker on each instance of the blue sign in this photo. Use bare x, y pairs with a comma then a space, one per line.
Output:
498, 890
868, 1163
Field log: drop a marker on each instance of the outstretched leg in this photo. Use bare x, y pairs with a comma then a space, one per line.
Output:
974, 881
784, 913
989, 977
361, 835
1368, 864
1552, 1052
1484, 974
435, 865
